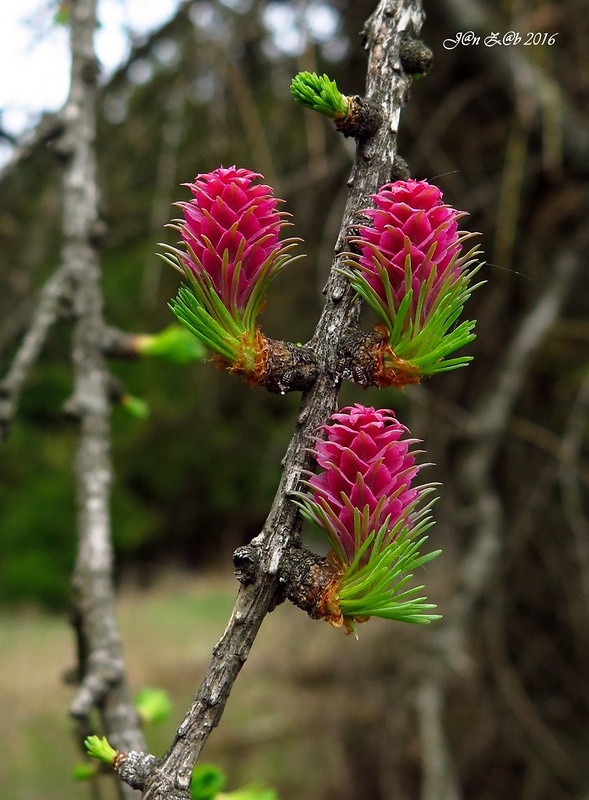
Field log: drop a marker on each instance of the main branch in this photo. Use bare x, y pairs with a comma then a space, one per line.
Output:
387, 83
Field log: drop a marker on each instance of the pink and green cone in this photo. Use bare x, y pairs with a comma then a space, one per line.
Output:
409, 267
374, 519
230, 252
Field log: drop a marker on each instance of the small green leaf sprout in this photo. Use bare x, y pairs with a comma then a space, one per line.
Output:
99, 747
319, 93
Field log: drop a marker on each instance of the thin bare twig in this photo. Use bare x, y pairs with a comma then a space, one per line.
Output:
27, 354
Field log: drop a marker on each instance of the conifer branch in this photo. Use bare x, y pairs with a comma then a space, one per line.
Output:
387, 28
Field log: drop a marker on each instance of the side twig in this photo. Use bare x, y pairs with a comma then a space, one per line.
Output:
30, 348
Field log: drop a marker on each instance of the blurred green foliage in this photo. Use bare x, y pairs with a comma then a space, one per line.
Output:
207, 781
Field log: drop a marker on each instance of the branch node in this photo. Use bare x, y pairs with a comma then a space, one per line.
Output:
367, 359
416, 57
288, 367
134, 768
306, 579
363, 119
245, 564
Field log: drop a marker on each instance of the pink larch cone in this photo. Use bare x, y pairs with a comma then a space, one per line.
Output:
410, 221
367, 465
231, 230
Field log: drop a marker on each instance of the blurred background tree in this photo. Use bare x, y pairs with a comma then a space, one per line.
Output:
504, 131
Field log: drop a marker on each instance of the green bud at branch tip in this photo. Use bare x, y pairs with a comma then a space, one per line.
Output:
99, 748
319, 93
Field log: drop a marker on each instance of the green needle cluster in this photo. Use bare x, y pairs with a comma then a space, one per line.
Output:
99, 748
319, 93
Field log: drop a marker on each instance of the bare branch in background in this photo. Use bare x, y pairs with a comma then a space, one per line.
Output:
48, 131
103, 684
165, 184
487, 427
439, 778
43, 317
545, 741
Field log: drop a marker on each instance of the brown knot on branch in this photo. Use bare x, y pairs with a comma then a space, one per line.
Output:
308, 580
279, 367
362, 120
367, 359
416, 57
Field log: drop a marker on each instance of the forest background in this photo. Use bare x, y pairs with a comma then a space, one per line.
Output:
504, 131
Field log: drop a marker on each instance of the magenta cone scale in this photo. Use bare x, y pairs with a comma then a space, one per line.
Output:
231, 231
410, 222
367, 465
